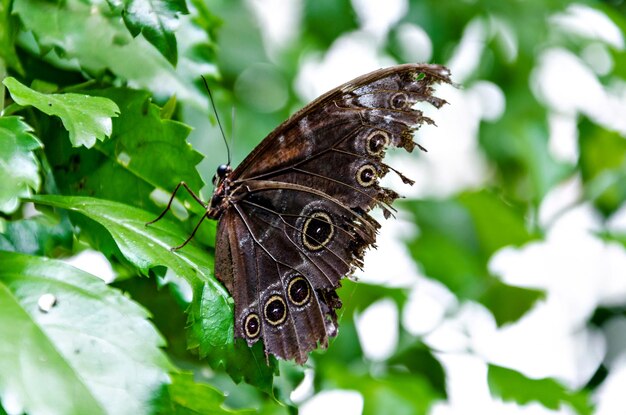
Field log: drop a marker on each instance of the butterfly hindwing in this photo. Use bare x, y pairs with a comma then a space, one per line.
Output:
278, 295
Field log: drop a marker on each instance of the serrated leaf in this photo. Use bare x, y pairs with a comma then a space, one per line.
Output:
144, 152
156, 19
85, 117
513, 386
93, 39
87, 349
214, 336
211, 313
19, 167
144, 246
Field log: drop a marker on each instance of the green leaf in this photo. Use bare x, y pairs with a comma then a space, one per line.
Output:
420, 362
497, 224
144, 152
8, 30
603, 166
187, 397
345, 349
156, 19
89, 350
86, 118
619, 237
513, 386
213, 335
19, 167
169, 108
508, 303
209, 22
210, 330
362, 295
93, 39
211, 313
448, 246
39, 235
166, 304
145, 246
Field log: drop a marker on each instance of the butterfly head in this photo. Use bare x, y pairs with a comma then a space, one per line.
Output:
223, 170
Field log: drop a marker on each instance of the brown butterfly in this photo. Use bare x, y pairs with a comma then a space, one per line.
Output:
293, 216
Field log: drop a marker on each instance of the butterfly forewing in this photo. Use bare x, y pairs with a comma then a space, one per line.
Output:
296, 220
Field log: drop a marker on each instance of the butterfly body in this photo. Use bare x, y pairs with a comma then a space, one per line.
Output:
293, 216
221, 198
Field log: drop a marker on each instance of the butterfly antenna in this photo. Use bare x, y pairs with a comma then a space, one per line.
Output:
217, 117
232, 132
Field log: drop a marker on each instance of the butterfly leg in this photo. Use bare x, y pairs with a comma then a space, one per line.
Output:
169, 204
176, 248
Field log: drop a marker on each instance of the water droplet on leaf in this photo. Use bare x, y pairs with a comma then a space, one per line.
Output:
46, 302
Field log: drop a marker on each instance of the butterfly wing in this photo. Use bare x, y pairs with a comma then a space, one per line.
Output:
297, 220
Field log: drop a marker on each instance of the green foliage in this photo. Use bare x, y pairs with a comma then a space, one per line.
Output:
419, 361
8, 26
186, 397
98, 101
411, 381
458, 237
156, 20
93, 39
86, 118
17, 146
125, 167
84, 342
44, 234
404, 392
513, 386
603, 166
210, 314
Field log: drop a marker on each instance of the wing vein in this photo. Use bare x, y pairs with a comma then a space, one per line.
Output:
271, 185
297, 230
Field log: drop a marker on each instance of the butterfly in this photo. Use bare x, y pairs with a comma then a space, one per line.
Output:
293, 217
